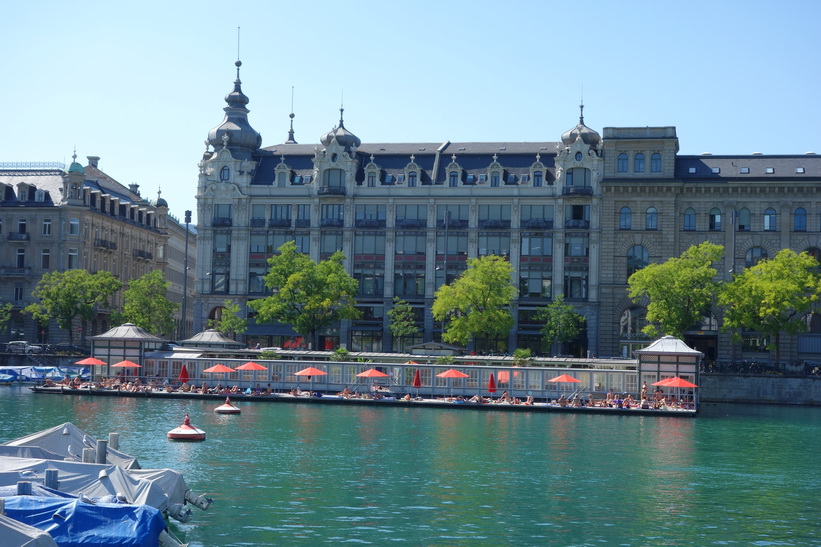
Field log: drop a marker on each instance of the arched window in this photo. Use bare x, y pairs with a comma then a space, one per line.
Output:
655, 163
754, 256
770, 220
631, 322
715, 219
637, 258
621, 164
638, 163
625, 218
690, 219
800, 220
225, 173
744, 220
651, 219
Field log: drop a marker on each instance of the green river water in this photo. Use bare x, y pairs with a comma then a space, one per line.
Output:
301, 474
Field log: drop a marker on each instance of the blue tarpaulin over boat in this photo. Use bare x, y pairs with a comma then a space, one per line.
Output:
75, 523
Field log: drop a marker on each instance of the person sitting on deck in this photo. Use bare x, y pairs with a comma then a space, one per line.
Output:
505, 398
477, 399
407, 397
529, 400
609, 400
563, 400
345, 392
269, 391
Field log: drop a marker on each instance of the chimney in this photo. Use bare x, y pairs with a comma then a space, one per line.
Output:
134, 187
93, 161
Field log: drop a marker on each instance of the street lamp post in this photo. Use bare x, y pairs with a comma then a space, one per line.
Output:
184, 321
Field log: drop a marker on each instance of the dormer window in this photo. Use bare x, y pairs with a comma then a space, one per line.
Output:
413, 176
225, 174
482, 179
39, 195
453, 179
538, 179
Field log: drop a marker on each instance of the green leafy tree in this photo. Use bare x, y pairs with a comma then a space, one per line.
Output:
522, 357
679, 290
772, 297
307, 295
561, 322
63, 296
146, 305
402, 321
478, 302
5, 315
231, 322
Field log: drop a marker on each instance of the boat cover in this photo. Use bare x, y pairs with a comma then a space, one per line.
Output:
69, 440
75, 523
93, 480
29, 452
17, 533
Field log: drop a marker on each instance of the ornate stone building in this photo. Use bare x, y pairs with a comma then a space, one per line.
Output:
56, 220
573, 216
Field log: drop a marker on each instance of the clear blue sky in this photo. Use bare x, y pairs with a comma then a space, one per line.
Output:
140, 84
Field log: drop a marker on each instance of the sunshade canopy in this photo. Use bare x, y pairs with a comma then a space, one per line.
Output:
564, 378
250, 365
126, 364
219, 368
310, 371
90, 361
372, 373
452, 373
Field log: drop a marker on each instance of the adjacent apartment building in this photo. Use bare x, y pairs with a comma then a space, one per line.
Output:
574, 216
57, 219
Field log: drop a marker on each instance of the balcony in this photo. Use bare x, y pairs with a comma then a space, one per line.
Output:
332, 223
577, 191
577, 223
410, 223
369, 223
105, 244
279, 223
537, 224
14, 272
303, 223
18, 236
257, 223
494, 224
139, 253
331, 191
222, 222
452, 224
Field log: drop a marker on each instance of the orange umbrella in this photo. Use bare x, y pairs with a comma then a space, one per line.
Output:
661, 382
250, 365
89, 361
218, 368
677, 382
372, 373
310, 371
564, 378
126, 364
452, 373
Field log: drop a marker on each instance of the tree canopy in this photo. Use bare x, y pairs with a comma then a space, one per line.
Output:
477, 302
402, 321
63, 296
772, 297
146, 305
307, 295
230, 322
680, 290
561, 322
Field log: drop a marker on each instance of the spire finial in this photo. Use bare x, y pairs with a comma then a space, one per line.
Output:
291, 115
581, 108
238, 63
74, 157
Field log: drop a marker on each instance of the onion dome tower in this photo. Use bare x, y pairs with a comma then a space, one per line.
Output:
587, 135
343, 137
235, 133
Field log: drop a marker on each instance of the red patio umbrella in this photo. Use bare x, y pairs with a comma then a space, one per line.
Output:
417, 381
250, 365
218, 368
675, 381
491, 384
89, 361
372, 373
310, 372
125, 364
564, 378
183, 378
452, 373
661, 382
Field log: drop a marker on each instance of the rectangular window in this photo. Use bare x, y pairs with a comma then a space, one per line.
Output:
72, 259
45, 259
744, 170
411, 216
453, 179
535, 284
576, 246
330, 242
258, 243
371, 215
409, 282
409, 243
19, 292
412, 176
497, 244
46, 226
369, 244
222, 242
537, 179
494, 180
799, 170
222, 210
537, 245
575, 285
21, 258
537, 216
769, 170
371, 180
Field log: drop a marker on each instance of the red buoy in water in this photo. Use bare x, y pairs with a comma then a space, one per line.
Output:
227, 408
186, 432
